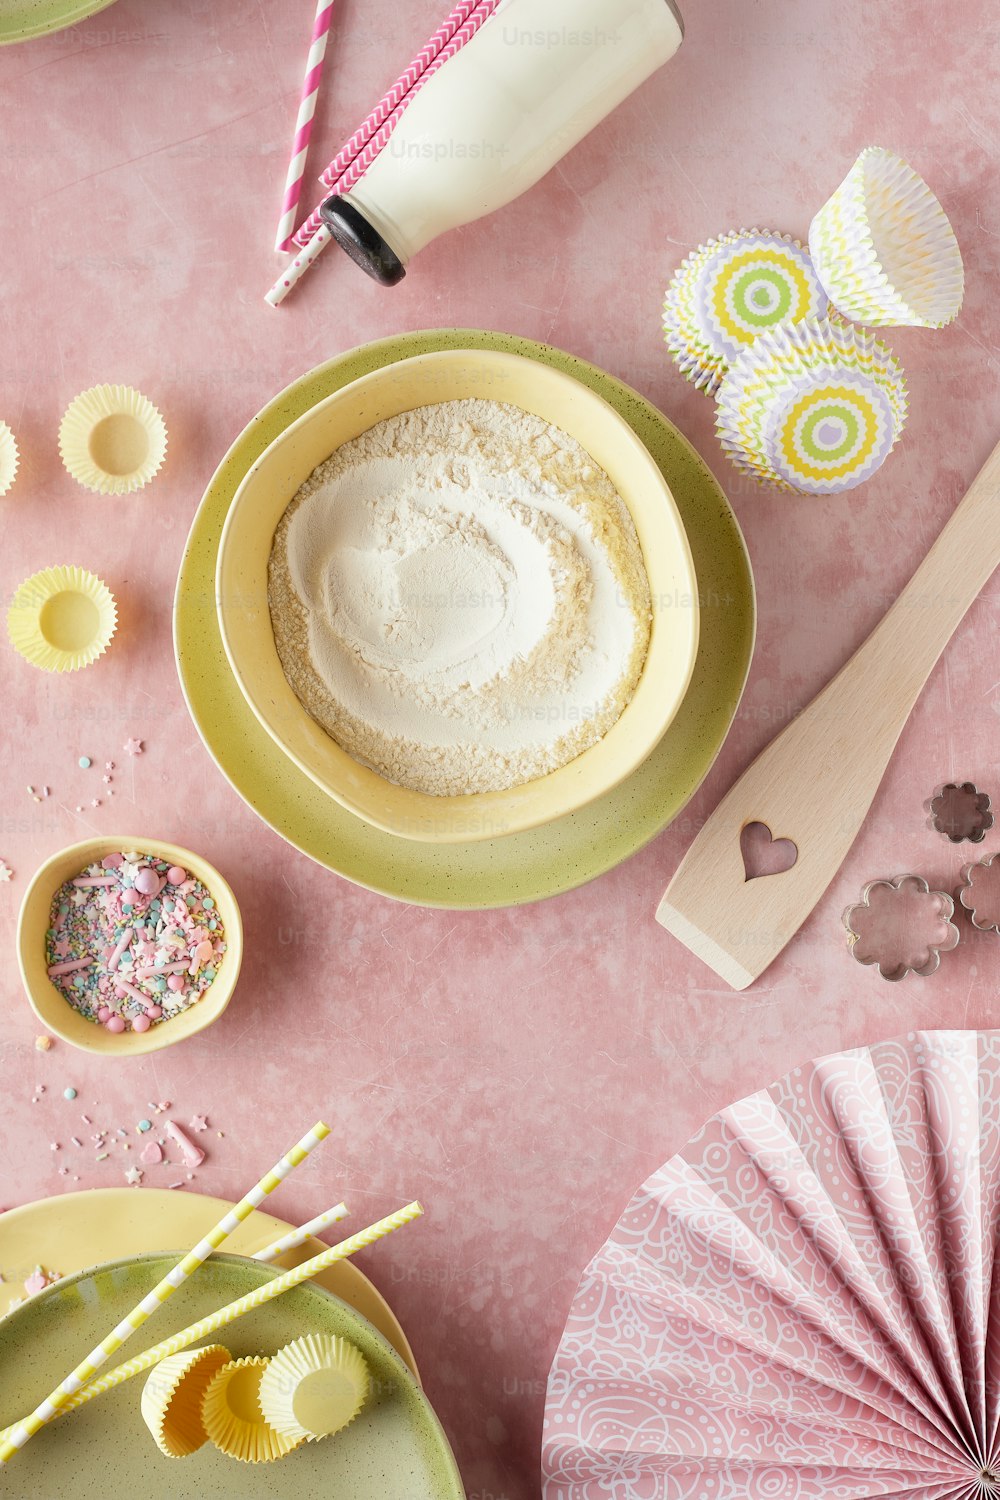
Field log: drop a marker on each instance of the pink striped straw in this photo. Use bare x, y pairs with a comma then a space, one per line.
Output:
303, 124
355, 159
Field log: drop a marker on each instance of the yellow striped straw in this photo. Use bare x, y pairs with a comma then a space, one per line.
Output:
214, 1321
16, 1437
296, 1237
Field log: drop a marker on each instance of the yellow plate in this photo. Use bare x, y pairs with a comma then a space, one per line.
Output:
245, 622
522, 866
76, 1230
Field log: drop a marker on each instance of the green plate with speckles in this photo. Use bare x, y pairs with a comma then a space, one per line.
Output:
22, 19
395, 1448
523, 866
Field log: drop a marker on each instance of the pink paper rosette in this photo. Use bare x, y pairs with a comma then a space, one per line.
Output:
804, 1303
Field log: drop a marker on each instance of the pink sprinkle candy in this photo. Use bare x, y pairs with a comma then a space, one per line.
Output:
103, 1014
154, 1012
141, 1023
151, 1155
147, 881
176, 982
193, 1155
115, 1024
176, 875
112, 861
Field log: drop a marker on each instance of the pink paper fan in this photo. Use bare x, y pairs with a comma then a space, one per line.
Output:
802, 1304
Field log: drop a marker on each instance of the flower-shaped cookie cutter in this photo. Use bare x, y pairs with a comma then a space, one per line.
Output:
961, 812
979, 893
902, 926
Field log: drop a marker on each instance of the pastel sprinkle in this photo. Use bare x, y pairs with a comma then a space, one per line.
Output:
84, 762
69, 1093
144, 1125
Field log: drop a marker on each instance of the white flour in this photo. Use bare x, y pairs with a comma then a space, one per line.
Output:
459, 599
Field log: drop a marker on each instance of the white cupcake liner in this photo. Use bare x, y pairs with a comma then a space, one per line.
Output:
112, 440
884, 249
314, 1387
9, 458
814, 408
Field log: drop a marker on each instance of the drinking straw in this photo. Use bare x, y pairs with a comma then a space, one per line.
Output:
296, 1237
303, 123
354, 159
247, 1303
63, 1394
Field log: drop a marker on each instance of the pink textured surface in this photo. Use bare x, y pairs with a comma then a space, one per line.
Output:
520, 1071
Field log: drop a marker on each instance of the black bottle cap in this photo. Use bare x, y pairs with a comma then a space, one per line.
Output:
363, 243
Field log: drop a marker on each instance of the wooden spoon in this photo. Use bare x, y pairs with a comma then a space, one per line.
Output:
815, 782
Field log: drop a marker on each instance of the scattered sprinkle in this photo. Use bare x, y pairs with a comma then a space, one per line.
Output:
106, 779
109, 765
144, 1125
84, 762
95, 802
5, 871
69, 1093
132, 746
198, 1122
76, 1140
43, 1043
102, 1157
86, 1119
133, 1176
54, 1146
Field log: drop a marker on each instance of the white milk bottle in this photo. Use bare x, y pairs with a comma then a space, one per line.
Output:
536, 77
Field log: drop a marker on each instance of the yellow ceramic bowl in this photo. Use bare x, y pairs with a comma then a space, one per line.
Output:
55, 1014
450, 375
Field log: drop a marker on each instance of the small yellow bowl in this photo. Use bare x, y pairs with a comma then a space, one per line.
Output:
56, 1014
427, 379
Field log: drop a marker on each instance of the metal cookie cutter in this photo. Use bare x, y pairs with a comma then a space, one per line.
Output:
961, 812
980, 893
902, 926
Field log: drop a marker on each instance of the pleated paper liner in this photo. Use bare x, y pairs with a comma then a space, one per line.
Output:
112, 440
884, 249
804, 1302
8, 458
230, 1411
62, 619
729, 291
172, 1398
314, 1387
813, 407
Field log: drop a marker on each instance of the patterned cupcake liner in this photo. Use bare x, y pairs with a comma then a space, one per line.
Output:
62, 619
112, 440
729, 292
813, 408
230, 1411
884, 249
172, 1397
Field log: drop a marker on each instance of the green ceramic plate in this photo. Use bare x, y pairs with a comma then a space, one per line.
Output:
21, 19
523, 866
395, 1449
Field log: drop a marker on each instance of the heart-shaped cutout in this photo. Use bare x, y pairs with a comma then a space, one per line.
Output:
763, 854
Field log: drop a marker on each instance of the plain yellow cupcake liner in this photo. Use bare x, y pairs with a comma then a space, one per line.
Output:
8, 458
172, 1398
233, 1420
112, 439
314, 1387
62, 619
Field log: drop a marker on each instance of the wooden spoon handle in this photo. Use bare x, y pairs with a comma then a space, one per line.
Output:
815, 782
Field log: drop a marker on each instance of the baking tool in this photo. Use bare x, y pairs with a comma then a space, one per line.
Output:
356, 156
112, 440
901, 926
815, 782
74, 1231
980, 893
8, 458
245, 620
296, 1237
884, 249
70, 1391
314, 1387
172, 1398
45, 999
815, 407
497, 118
396, 1452
523, 867
221, 1318
961, 812
303, 122
22, 19
233, 1418
62, 619
803, 1301
726, 293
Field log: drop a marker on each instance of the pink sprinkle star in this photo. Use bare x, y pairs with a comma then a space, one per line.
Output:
5, 871
109, 765
95, 802
198, 1122
133, 1177
133, 746
106, 780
